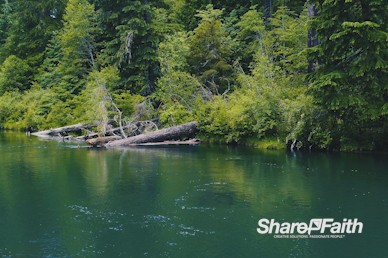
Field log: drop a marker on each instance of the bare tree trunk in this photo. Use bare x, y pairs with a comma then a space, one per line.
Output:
180, 132
62, 130
119, 116
101, 141
293, 145
187, 142
267, 9
312, 41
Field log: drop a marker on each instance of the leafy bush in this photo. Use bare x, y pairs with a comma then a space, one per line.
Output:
15, 74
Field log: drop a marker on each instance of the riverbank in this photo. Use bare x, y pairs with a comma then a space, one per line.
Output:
269, 143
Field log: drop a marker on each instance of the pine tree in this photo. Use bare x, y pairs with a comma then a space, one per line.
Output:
15, 74
131, 42
286, 40
250, 35
350, 83
210, 51
29, 28
5, 20
70, 53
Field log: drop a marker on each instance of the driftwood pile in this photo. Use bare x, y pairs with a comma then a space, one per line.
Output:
135, 135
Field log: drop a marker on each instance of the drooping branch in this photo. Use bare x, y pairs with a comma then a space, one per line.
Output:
125, 53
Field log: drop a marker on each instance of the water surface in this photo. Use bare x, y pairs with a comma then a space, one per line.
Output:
62, 200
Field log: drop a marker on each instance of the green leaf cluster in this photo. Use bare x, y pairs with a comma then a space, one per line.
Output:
239, 68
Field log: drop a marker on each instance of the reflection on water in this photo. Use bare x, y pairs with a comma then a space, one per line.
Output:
64, 200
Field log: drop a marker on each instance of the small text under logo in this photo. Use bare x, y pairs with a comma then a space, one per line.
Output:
316, 228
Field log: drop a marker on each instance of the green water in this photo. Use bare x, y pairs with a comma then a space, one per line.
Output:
58, 200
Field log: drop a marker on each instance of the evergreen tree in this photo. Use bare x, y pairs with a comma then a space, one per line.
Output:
132, 43
70, 53
350, 83
286, 40
28, 28
211, 51
250, 35
15, 74
77, 44
5, 20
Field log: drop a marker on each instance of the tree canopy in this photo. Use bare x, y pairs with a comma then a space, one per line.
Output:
242, 69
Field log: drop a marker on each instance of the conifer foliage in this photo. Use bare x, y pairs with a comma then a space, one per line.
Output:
350, 82
239, 68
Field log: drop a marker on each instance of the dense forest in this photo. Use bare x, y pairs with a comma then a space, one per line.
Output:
312, 74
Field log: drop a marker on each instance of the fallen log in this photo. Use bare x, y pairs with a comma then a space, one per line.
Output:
101, 141
174, 133
187, 142
60, 131
110, 132
131, 129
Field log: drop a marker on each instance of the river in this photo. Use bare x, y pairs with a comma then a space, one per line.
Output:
63, 200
